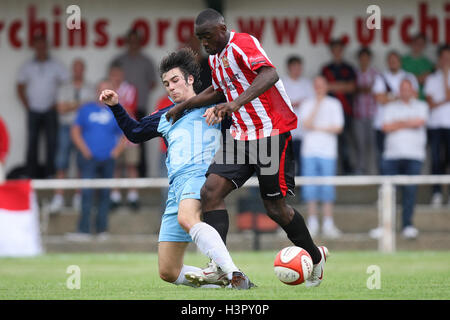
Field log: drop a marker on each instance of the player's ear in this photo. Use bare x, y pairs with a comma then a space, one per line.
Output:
190, 80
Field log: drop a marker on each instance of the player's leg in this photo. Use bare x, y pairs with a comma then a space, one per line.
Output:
207, 240
173, 241
206, 237
213, 193
225, 174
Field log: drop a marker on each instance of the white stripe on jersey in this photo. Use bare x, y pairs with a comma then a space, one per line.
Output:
257, 104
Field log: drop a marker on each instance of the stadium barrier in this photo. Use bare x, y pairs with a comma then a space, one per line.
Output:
386, 193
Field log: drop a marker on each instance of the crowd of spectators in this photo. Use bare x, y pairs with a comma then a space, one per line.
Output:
353, 120
382, 124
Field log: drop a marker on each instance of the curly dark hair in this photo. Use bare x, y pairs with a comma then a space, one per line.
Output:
186, 60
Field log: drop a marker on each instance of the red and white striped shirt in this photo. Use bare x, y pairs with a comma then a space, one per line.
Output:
233, 71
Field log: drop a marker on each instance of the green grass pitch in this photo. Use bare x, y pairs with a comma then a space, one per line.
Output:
403, 275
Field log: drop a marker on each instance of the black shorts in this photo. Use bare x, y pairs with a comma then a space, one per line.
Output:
271, 158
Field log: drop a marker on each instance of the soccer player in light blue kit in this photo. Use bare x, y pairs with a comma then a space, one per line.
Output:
191, 147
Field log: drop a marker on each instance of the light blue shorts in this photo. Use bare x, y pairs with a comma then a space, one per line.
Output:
316, 167
181, 188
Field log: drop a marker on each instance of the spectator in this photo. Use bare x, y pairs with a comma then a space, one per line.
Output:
437, 91
70, 97
322, 120
129, 159
37, 87
417, 63
405, 148
139, 71
298, 88
387, 89
364, 111
341, 79
100, 141
4, 148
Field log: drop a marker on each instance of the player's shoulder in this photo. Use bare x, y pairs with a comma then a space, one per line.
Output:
242, 39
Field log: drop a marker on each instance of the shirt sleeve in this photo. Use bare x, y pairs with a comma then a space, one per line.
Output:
249, 51
339, 114
22, 75
79, 119
137, 131
379, 86
429, 86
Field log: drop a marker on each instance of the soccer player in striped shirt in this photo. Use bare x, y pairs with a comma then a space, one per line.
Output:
262, 117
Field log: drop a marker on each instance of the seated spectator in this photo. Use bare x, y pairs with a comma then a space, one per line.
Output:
364, 111
437, 91
341, 78
404, 122
37, 86
100, 141
417, 63
322, 120
129, 159
298, 88
70, 97
387, 89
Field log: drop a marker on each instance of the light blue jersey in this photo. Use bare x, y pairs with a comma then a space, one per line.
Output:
191, 145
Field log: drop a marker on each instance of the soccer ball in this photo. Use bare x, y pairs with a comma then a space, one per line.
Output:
293, 265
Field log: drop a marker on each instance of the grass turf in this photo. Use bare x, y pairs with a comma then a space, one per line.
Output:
404, 275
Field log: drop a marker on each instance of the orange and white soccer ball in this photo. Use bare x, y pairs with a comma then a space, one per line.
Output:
293, 265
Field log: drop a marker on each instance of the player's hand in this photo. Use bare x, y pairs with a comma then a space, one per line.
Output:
225, 109
175, 112
211, 117
109, 97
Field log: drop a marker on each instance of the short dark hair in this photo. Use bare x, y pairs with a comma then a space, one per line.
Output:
294, 59
336, 42
116, 64
442, 48
208, 15
419, 36
185, 59
364, 50
395, 53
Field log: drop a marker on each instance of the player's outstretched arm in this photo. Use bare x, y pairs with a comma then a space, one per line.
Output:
207, 97
135, 131
266, 78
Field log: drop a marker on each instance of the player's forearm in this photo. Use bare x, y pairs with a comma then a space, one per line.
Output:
135, 131
207, 97
265, 79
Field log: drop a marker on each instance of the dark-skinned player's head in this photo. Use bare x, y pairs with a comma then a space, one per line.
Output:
211, 30
180, 74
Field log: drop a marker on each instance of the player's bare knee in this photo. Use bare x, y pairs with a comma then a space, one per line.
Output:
184, 222
168, 275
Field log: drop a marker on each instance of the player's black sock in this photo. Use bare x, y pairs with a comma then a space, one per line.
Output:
298, 233
218, 219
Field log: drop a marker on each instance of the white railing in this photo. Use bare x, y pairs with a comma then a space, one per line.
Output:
386, 194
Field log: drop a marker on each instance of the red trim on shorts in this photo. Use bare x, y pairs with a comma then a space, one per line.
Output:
281, 175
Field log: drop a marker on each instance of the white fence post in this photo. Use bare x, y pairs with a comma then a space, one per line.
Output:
387, 217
